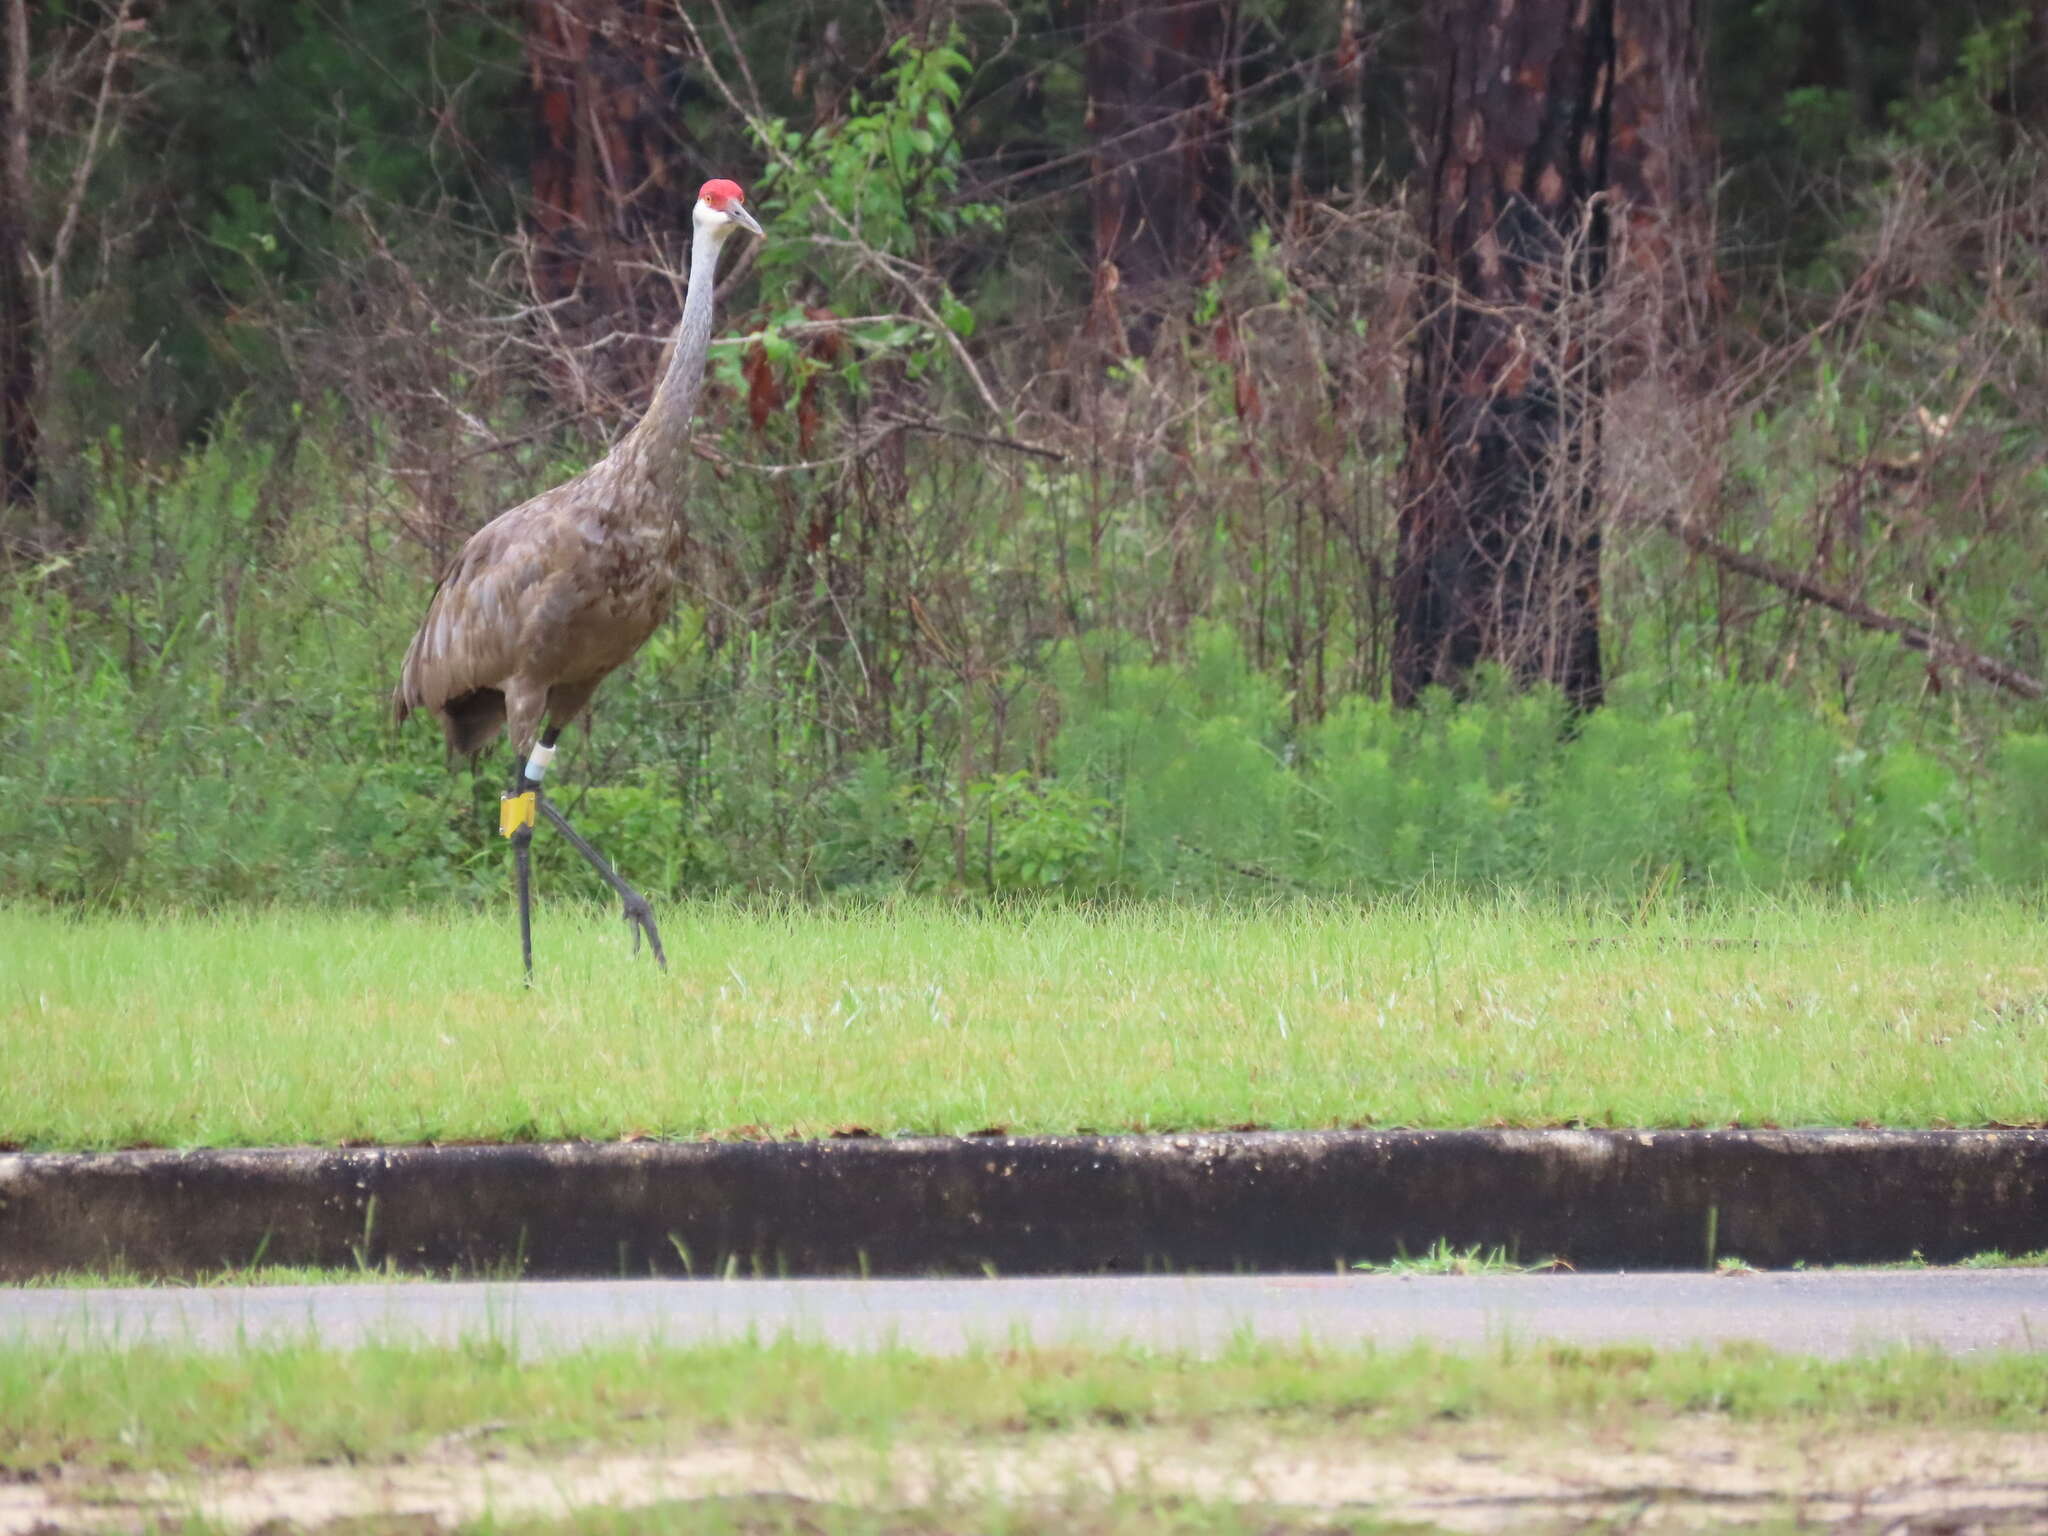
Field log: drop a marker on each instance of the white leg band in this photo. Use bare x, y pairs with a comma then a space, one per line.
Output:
537, 765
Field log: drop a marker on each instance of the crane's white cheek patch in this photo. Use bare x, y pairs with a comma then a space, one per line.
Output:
537, 764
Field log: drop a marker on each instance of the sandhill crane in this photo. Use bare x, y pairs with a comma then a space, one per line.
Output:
547, 599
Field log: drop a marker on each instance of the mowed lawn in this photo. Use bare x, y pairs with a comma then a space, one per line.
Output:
285, 1027
101, 1407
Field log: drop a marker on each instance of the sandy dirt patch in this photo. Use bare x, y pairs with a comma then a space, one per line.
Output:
1463, 1479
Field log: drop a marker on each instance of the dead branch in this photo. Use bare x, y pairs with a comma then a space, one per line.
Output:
939, 429
1915, 637
50, 271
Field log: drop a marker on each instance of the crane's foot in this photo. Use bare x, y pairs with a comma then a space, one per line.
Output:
634, 906
641, 918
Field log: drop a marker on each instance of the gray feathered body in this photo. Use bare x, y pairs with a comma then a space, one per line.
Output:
547, 599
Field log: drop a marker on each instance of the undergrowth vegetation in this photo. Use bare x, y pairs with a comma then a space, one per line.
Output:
194, 710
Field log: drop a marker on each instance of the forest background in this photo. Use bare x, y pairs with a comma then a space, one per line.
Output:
1080, 505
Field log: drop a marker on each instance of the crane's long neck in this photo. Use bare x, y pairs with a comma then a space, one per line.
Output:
663, 434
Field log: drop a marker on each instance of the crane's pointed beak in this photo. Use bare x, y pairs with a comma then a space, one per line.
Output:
745, 220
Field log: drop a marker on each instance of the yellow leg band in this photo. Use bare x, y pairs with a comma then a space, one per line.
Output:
514, 812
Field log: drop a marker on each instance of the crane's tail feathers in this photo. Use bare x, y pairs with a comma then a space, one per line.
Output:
470, 720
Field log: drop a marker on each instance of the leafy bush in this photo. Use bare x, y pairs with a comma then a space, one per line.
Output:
2013, 837
1191, 758
1745, 789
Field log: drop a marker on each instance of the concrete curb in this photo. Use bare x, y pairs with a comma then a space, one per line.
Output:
1036, 1205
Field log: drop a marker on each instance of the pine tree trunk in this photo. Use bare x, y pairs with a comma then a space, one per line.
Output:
17, 294
1544, 119
1660, 176
1158, 115
2035, 77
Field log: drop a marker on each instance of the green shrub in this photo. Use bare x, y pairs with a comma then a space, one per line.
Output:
2013, 839
1192, 760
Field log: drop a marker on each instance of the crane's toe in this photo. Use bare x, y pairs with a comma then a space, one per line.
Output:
640, 917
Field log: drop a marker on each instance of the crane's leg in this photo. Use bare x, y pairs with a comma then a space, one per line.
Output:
515, 821
636, 910
522, 861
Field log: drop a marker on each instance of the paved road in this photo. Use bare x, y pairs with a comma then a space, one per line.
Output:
1827, 1314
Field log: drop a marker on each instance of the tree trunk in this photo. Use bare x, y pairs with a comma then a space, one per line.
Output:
1660, 178
1543, 118
612, 189
1158, 116
2035, 75
17, 293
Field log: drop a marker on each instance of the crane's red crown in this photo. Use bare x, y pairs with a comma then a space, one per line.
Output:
721, 194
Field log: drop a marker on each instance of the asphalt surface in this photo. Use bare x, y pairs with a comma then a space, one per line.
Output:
1818, 1313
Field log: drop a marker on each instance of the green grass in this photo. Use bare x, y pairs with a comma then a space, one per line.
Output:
104, 1408
285, 1027
1991, 1258
1440, 1258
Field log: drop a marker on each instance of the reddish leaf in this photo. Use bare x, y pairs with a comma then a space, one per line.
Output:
764, 394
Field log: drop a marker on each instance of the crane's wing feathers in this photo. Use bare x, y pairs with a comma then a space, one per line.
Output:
472, 633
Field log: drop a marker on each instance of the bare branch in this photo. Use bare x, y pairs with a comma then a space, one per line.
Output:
926, 424
1915, 637
51, 272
